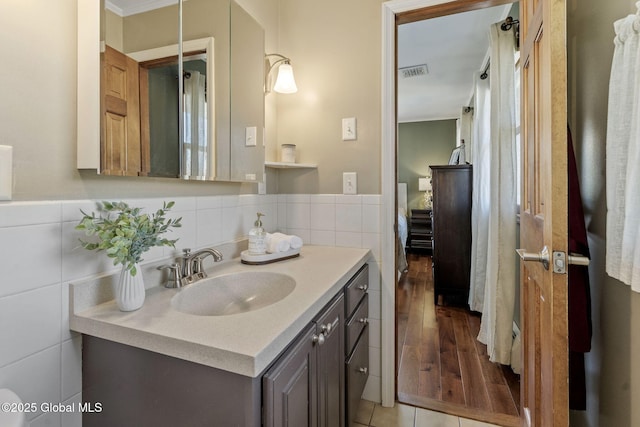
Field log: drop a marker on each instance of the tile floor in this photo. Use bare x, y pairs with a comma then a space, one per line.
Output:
373, 415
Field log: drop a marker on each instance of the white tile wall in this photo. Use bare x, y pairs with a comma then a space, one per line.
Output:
40, 358
343, 220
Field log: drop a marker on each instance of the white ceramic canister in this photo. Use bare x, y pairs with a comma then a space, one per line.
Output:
288, 153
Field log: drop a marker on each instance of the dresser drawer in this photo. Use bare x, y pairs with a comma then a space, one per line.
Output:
357, 324
356, 289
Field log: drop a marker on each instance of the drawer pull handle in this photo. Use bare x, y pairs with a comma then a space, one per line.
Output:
363, 288
363, 320
363, 371
331, 326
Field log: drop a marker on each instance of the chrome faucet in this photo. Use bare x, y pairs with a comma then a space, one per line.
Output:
189, 268
192, 263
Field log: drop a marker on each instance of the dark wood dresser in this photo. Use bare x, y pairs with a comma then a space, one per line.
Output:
420, 232
451, 222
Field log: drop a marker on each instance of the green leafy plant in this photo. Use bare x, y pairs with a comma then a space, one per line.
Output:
125, 234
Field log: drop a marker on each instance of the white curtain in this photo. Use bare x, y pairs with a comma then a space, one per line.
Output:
194, 147
496, 326
481, 157
623, 155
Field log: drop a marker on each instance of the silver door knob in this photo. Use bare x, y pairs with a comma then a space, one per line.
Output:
542, 256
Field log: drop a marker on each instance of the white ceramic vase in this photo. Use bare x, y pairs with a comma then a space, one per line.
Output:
130, 290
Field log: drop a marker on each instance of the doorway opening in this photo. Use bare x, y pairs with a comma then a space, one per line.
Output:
439, 363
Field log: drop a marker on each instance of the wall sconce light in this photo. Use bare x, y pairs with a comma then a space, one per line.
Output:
285, 83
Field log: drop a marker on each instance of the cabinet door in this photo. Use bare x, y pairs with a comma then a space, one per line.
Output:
290, 386
331, 365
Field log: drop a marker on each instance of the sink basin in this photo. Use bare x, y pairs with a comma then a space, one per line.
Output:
233, 293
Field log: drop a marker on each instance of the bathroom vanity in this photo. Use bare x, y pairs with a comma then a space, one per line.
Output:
300, 361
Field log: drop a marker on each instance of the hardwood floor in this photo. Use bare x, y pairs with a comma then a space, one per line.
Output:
441, 365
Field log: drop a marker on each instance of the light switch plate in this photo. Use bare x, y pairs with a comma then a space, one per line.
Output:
6, 171
349, 129
250, 135
349, 183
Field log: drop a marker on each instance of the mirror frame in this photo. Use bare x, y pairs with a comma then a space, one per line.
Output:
88, 95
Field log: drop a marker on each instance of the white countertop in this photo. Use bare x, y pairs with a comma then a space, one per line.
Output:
243, 343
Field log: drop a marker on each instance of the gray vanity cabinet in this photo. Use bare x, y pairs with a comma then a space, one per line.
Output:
357, 341
305, 387
317, 381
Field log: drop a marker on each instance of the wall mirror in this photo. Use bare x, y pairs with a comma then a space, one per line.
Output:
138, 129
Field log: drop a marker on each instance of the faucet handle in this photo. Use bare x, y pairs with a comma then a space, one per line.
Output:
186, 252
175, 275
198, 270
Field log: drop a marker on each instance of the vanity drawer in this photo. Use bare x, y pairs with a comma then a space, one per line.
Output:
356, 289
357, 324
357, 374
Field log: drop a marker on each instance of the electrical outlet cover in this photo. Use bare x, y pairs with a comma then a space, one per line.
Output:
349, 183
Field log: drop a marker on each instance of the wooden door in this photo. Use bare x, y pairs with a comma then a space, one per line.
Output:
120, 151
544, 384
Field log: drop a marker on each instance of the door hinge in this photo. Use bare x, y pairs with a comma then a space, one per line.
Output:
561, 260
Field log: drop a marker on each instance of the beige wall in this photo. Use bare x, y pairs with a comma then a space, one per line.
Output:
421, 144
614, 363
113, 29
335, 51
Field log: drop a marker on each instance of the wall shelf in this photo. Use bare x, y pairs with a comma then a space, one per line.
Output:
282, 165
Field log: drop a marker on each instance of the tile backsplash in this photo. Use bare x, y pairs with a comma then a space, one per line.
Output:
40, 254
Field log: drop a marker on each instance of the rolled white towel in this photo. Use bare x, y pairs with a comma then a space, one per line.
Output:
295, 242
277, 242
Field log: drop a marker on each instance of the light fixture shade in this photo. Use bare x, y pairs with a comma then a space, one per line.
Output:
285, 83
423, 184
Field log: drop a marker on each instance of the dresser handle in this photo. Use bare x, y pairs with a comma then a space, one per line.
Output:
363, 288
363, 320
363, 371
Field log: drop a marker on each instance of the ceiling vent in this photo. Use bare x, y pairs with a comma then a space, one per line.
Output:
414, 71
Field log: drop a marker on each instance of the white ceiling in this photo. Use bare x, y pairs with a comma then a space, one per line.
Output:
454, 47
131, 7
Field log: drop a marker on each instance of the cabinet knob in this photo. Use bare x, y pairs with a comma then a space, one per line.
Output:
363, 320
364, 287
363, 371
318, 339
